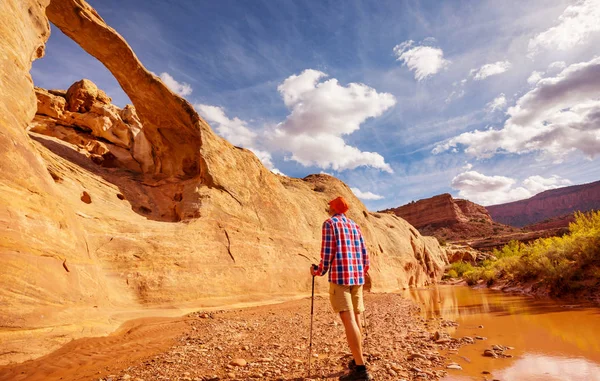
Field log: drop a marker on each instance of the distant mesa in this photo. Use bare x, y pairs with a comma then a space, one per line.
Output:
450, 219
551, 208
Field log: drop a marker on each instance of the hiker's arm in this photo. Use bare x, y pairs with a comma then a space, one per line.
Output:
327, 249
365, 253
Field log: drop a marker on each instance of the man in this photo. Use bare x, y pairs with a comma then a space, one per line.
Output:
344, 255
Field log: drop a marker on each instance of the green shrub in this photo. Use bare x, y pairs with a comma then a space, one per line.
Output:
461, 267
560, 262
452, 274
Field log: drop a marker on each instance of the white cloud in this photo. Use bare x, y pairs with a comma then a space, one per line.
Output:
180, 88
490, 190
537, 184
490, 69
424, 60
236, 131
575, 25
557, 66
499, 103
559, 115
535, 77
321, 113
365, 195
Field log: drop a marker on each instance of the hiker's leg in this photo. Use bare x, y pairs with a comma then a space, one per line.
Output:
358, 305
358, 319
353, 336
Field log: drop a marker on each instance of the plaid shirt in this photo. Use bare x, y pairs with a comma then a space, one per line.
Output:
343, 251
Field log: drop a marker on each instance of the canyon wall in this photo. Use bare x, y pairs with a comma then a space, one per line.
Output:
548, 205
106, 212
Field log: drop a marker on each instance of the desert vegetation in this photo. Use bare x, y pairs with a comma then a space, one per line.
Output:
563, 264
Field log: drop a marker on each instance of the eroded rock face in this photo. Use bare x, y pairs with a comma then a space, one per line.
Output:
202, 223
95, 118
40, 233
452, 220
548, 205
441, 210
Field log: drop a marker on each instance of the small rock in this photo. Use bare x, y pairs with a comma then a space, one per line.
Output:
485, 372
125, 377
480, 326
454, 366
490, 353
238, 362
413, 356
480, 338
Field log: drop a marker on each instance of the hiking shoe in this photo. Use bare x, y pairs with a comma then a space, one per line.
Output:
357, 375
352, 364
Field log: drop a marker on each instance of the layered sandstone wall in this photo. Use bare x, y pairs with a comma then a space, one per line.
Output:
45, 261
548, 204
103, 215
440, 211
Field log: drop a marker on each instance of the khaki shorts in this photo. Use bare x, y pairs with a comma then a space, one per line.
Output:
346, 298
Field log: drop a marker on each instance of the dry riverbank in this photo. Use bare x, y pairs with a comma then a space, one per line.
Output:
266, 342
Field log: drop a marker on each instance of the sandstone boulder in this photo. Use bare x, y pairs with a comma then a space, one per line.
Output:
82, 96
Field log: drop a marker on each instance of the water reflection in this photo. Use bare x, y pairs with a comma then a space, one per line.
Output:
542, 332
537, 367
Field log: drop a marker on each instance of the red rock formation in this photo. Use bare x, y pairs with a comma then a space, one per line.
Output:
90, 236
440, 211
452, 220
548, 204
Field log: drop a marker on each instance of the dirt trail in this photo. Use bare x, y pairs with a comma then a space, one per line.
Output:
269, 342
88, 358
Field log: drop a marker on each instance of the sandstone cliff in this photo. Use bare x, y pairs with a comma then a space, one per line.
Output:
449, 219
107, 211
548, 205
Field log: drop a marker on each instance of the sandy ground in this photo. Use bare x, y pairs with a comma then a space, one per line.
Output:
267, 342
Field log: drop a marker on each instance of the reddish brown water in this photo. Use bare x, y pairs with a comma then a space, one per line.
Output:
552, 341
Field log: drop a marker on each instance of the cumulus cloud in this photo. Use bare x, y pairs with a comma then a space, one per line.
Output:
559, 115
535, 77
180, 88
365, 195
236, 131
557, 66
321, 112
424, 60
574, 27
499, 103
490, 190
490, 69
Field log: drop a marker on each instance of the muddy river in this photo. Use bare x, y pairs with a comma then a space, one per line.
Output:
551, 340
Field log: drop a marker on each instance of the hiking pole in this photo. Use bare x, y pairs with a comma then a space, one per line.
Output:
312, 305
366, 334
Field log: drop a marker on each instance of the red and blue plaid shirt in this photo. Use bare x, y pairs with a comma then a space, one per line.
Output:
343, 251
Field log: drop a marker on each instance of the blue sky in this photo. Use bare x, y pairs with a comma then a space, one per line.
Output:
402, 100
